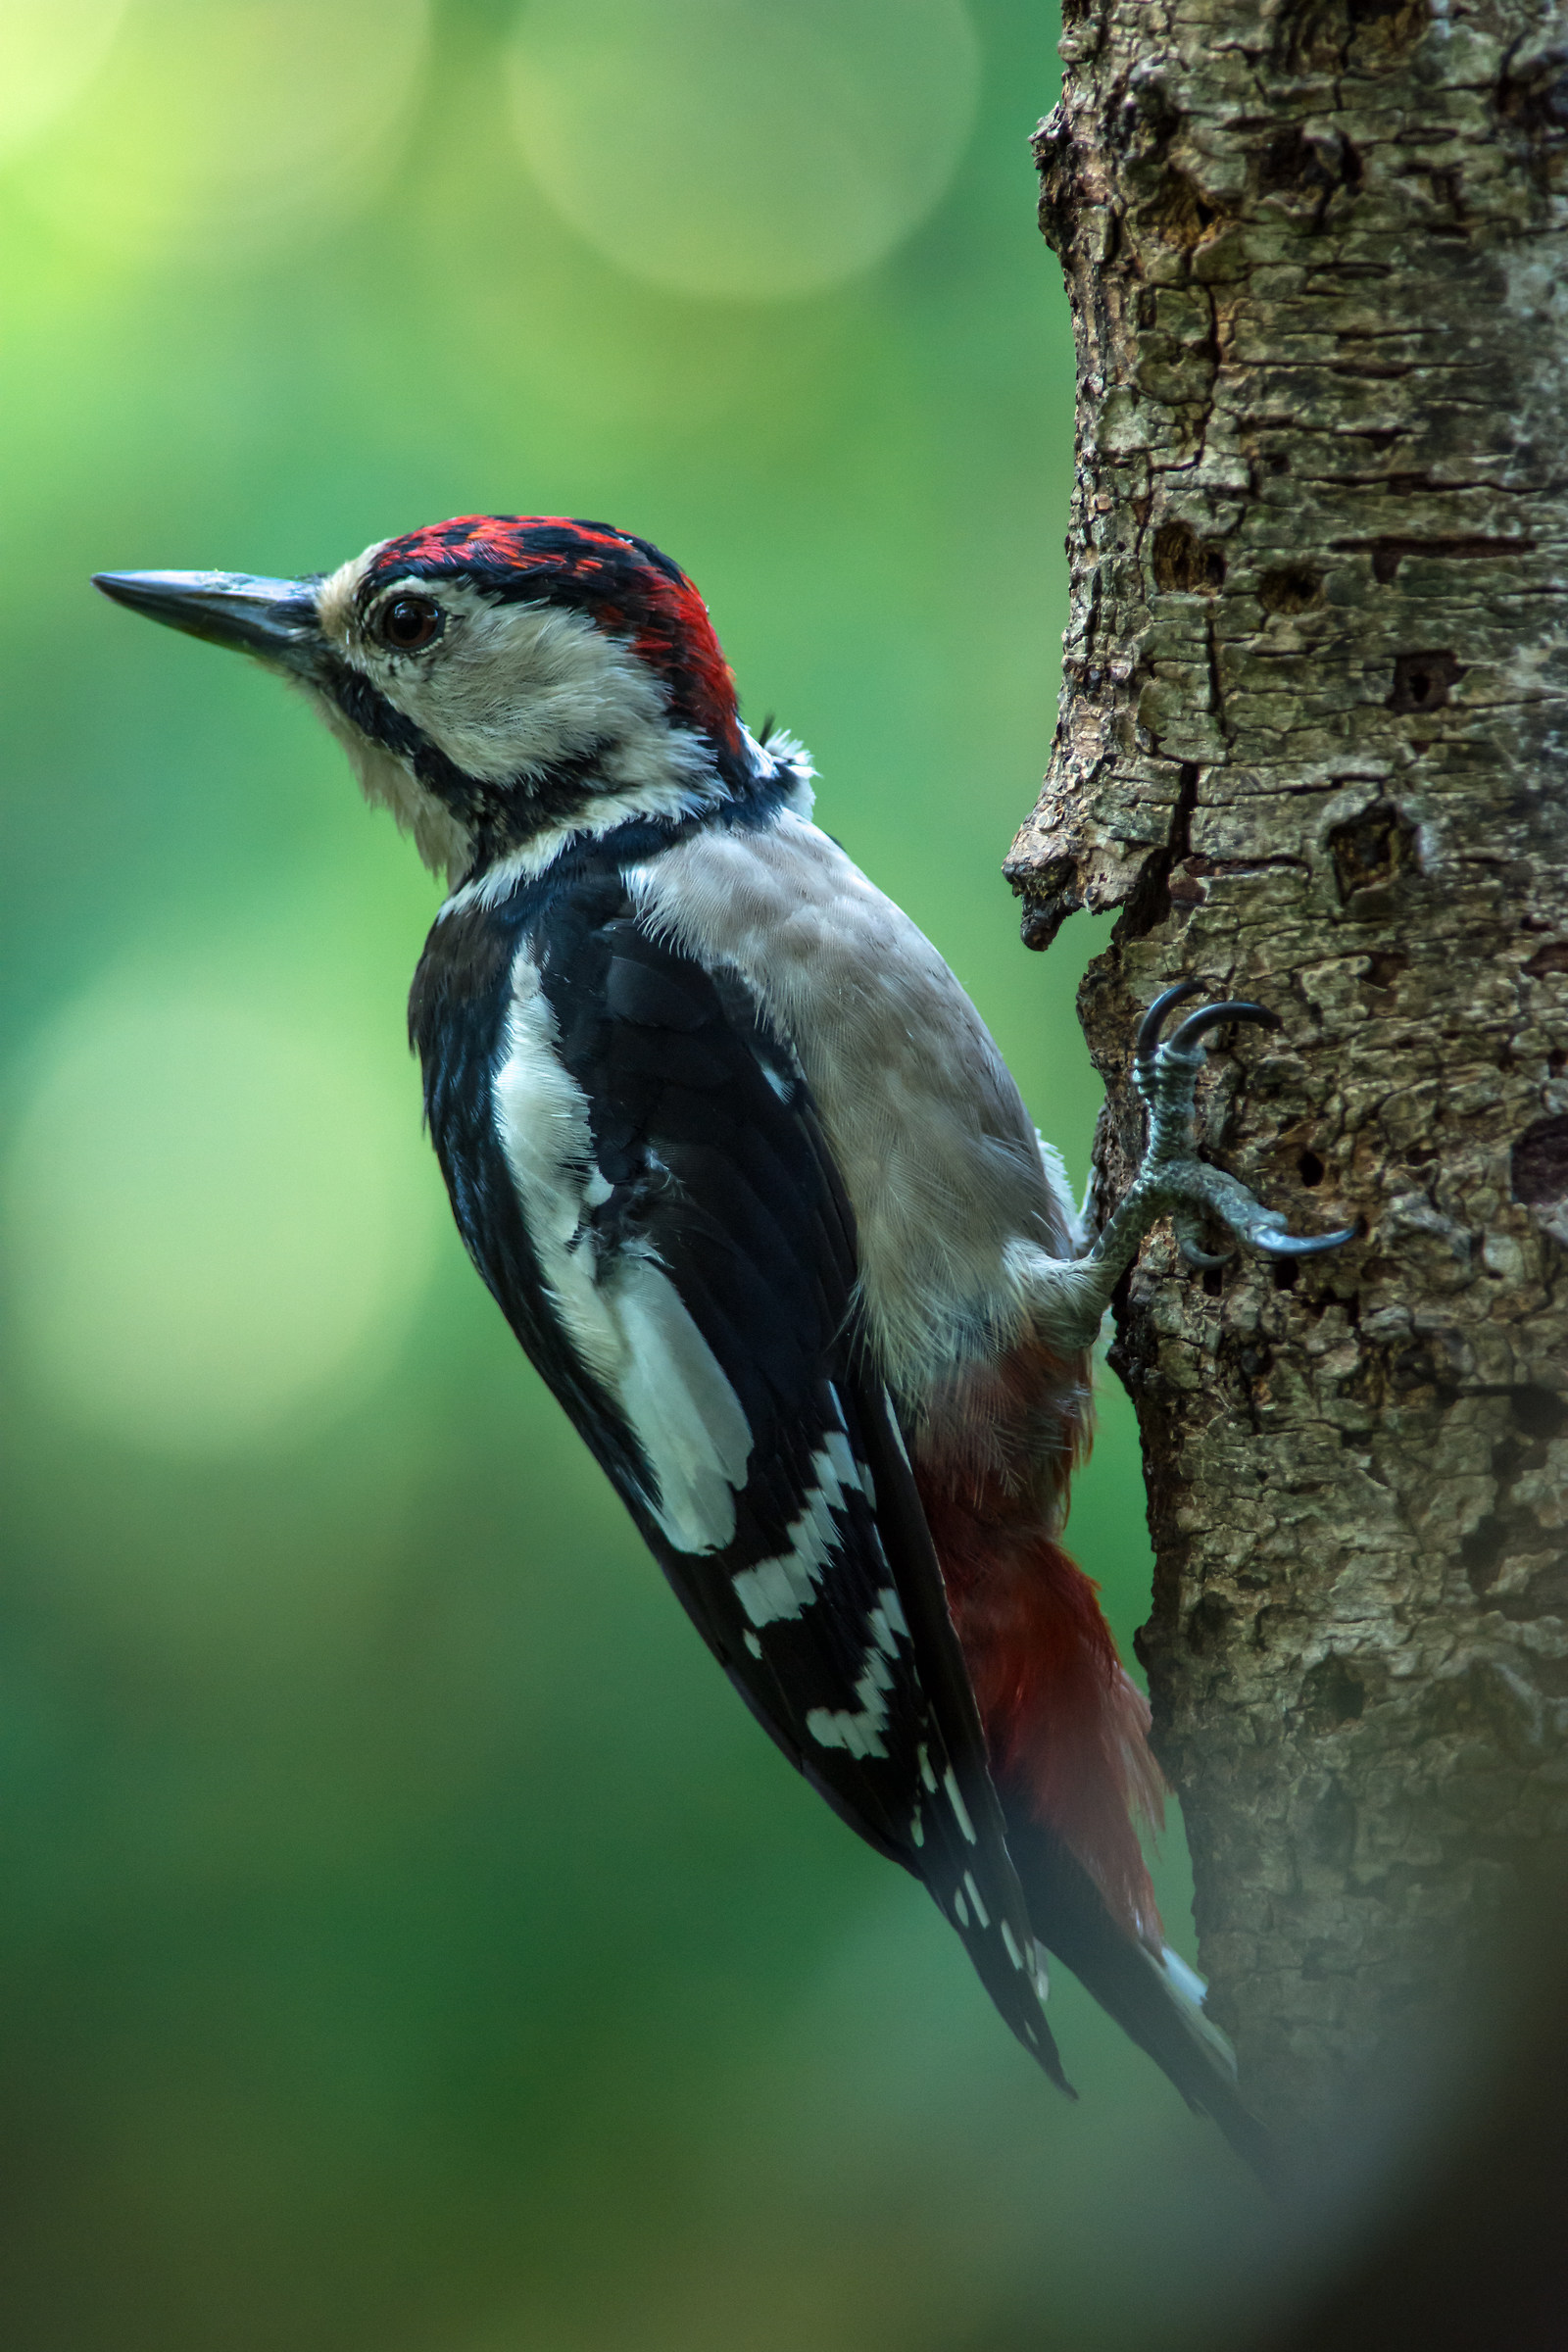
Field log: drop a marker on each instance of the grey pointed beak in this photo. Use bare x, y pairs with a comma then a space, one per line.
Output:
275, 619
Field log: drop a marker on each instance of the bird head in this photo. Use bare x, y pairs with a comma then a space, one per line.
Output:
501, 682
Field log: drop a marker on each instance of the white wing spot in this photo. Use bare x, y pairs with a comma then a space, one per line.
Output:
893, 1611
787, 1584
926, 1773
886, 1622
917, 1829
836, 1446
860, 1733
753, 1644
1011, 1943
980, 1911
961, 1909
960, 1811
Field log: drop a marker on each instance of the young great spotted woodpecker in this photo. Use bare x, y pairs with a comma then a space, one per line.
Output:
747, 1176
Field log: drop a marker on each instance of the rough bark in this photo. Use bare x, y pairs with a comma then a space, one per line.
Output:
1311, 744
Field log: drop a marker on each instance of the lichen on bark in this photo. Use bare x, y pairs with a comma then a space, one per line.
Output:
1311, 745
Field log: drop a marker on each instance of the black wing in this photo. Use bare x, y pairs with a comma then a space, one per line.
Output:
637, 1169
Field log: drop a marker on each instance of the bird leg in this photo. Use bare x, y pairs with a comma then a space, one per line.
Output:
1171, 1180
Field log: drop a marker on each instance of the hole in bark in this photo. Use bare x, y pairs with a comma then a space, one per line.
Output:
1207, 1620
1541, 1162
1480, 1553
1151, 902
1552, 959
1278, 462
1421, 681
1540, 1412
1289, 590
1311, 1168
1333, 1695
1384, 966
1213, 1282
1371, 849
1292, 160
1181, 214
1181, 561
1285, 1271
1557, 1061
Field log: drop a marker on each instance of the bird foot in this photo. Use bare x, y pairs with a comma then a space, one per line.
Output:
1071, 1294
1172, 1180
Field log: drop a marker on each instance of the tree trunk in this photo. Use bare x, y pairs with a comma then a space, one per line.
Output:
1311, 744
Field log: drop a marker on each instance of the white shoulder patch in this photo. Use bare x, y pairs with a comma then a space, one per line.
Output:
622, 1314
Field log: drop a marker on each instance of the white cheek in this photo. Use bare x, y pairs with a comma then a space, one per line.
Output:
509, 693
515, 690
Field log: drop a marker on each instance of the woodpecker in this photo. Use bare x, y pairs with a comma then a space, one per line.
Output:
748, 1179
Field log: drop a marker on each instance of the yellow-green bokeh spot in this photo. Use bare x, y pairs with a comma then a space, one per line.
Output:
739, 148
49, 50
217, 1221
221, 126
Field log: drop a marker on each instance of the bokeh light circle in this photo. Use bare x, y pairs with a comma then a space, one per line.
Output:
49, 50
744, 148
222, 126
216, 1220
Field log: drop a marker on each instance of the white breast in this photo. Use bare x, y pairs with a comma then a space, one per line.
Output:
936, 1150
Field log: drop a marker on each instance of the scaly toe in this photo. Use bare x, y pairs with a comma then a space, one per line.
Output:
1199, 1193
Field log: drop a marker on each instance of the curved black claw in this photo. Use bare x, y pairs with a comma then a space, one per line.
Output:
1302, 1244
1208, 1261
1149, 1028
1211, 1018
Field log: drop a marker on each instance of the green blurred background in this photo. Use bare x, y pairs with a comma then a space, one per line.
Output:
406, 1938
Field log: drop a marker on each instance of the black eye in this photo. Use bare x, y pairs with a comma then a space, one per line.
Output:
408, 622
